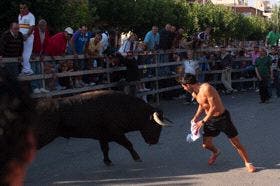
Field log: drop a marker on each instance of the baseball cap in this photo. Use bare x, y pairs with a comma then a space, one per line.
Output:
69, 30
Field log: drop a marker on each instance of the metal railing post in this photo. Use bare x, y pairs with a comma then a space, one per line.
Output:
43, 74
107, 68
157, 79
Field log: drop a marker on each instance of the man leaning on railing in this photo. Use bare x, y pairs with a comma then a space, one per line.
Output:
11, 45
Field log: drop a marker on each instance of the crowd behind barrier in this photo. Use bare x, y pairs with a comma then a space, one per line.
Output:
114, 75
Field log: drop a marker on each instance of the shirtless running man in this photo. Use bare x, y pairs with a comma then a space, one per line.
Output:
217, 118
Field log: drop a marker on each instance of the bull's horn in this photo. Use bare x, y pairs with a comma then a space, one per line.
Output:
156, 118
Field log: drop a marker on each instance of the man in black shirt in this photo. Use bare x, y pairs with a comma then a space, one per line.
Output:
11, 45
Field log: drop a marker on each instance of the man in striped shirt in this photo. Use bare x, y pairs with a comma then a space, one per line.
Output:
11, 45
26, 22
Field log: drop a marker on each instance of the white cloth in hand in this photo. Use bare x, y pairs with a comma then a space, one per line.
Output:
194, 135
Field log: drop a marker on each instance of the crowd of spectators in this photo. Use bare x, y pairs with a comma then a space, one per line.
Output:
26, 41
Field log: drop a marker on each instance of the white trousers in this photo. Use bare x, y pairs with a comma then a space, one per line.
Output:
226, 79
27, 51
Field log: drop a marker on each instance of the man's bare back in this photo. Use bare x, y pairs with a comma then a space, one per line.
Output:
208, 98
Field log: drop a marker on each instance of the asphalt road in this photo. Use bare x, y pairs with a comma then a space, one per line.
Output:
173, 161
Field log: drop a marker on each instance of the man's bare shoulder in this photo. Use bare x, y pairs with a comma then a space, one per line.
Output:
207, 89
206, 86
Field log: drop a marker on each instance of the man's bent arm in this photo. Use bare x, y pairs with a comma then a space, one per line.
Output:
211, 102
198, 112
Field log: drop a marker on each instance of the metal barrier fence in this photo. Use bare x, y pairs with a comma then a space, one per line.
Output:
109, 70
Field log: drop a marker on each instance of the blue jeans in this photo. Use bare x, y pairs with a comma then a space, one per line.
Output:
37, 69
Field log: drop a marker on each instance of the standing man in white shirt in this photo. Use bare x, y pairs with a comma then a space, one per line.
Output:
191, 66
26, 22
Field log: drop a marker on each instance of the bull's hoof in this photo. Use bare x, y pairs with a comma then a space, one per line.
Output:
138, 160
108, 162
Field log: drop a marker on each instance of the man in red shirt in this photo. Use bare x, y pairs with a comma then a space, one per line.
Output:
41, 37
57, 43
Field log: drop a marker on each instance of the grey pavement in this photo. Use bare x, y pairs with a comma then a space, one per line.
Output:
78, 162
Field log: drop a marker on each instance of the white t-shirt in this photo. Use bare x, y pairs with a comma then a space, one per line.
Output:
191, 66
104, 41
25, 22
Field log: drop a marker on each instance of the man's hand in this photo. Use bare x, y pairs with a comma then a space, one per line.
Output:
198, 125
194, 119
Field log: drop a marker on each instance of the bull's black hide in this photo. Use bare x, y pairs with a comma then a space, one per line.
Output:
102, 115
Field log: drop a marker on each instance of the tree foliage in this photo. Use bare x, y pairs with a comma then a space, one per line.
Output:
140, 16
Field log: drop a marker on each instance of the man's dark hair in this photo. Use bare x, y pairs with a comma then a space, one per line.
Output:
188, 79
26, 3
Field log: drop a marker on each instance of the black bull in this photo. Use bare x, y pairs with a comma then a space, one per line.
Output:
102, 115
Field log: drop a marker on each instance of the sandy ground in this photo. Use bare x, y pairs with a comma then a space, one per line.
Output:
173, 161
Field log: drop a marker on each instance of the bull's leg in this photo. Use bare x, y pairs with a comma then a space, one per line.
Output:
123, 141
105, 149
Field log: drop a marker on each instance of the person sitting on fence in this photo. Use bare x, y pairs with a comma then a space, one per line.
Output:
226, 62
79, 42
11, 45
41, 37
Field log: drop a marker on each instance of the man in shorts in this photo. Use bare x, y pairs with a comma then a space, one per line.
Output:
217, 118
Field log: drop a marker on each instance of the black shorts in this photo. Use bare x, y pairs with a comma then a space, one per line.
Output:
219, 124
